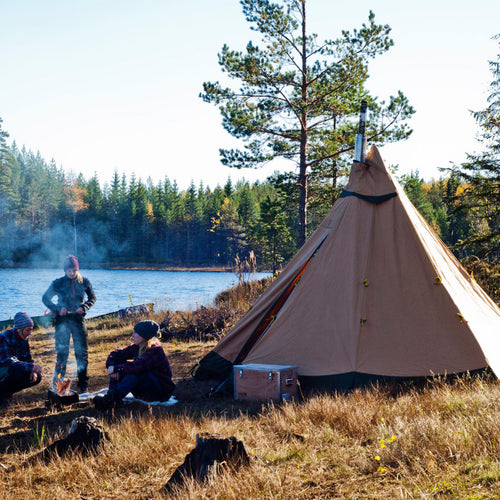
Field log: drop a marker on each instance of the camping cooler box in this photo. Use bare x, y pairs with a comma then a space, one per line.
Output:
260, 382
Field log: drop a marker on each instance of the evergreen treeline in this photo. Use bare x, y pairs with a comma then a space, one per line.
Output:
298, 101
46, 214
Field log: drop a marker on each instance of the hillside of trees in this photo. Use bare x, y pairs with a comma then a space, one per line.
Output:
45, 214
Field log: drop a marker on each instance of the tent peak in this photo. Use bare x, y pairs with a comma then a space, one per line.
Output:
370, 178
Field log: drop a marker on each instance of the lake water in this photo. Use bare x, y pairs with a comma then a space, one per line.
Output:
22, 289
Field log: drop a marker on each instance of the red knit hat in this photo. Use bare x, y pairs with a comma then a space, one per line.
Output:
71, 262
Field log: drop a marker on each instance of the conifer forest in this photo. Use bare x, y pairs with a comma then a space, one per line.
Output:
46, 214
299, 101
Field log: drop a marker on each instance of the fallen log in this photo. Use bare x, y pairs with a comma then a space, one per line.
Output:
212, 451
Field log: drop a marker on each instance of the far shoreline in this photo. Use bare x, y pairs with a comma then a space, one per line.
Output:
137, 267
161, 268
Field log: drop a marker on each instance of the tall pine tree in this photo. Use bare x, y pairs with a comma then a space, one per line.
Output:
299, 99
481, 172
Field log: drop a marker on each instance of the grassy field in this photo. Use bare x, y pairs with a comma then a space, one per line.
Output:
437, 442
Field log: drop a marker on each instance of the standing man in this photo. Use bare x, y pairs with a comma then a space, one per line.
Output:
70, 311
17, 369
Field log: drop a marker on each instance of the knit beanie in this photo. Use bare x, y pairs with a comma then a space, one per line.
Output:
147, 329
22, 320
71, 262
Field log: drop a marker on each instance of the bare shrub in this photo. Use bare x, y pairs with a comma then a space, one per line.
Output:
211, 323
486, 274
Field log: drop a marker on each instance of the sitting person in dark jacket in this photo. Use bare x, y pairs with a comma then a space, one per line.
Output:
17, 369
142, 368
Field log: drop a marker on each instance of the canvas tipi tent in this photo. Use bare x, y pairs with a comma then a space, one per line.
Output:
372, 294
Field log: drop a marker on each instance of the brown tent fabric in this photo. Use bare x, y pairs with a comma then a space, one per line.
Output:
379, 294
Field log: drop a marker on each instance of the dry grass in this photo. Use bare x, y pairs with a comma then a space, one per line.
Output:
243, 295
486, 274
438, 442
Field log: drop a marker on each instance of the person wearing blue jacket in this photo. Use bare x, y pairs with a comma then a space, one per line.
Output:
75, 296
17, 368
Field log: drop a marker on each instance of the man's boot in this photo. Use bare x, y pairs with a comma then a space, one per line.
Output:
83, 383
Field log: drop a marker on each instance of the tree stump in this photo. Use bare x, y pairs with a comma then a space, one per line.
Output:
210, 453
85, 436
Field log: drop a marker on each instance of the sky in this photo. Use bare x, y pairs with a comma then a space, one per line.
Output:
105, 85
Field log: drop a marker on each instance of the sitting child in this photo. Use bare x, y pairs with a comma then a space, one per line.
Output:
142, 368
